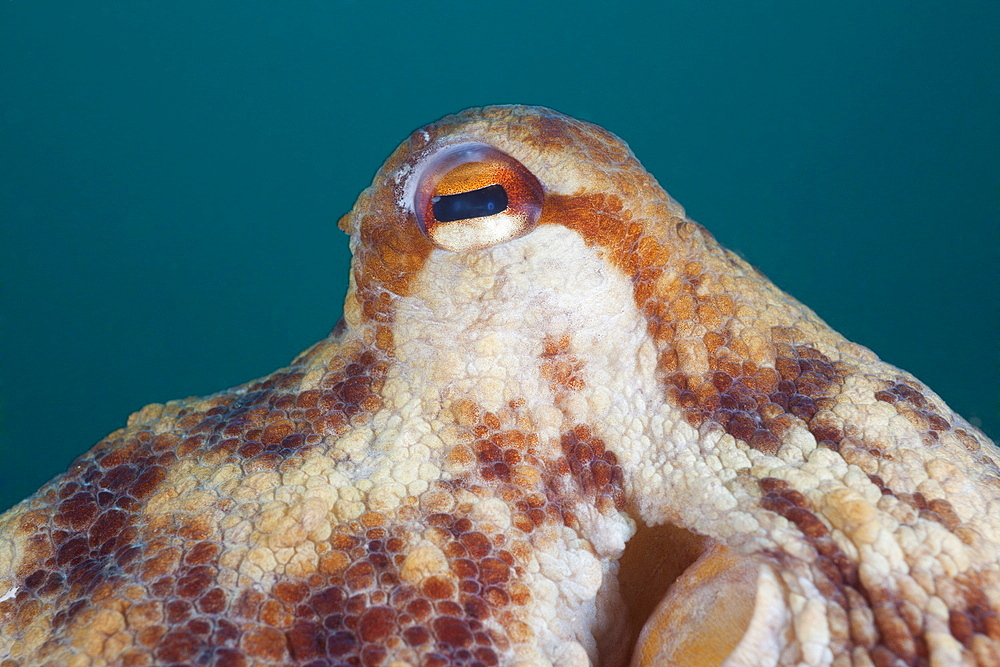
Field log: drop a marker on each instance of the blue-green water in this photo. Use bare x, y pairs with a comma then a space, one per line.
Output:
171, 173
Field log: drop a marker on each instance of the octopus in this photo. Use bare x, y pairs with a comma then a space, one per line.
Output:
558, 424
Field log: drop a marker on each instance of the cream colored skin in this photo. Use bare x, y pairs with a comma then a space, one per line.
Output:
471, 328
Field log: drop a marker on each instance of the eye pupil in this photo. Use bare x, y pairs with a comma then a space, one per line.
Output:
472, 204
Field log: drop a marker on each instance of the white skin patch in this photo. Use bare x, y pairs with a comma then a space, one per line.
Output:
493, 319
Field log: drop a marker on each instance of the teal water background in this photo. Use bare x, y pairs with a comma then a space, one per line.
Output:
171, 173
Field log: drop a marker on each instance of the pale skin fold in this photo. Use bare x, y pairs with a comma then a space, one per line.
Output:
590, 437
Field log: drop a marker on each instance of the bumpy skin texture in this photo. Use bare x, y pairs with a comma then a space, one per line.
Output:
452, 476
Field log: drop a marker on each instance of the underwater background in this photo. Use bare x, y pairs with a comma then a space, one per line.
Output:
171, 174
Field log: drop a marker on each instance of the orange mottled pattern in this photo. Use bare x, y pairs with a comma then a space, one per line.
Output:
511, 454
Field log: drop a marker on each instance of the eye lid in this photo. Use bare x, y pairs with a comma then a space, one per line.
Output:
415, 174
468, 176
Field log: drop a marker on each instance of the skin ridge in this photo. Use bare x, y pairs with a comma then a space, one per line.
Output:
356, 508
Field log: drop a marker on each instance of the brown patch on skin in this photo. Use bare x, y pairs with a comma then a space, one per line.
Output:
91, 537
356, 606
891, 638
975, 622
185, 603
165, 585
92, 542
560, 367
275, 419
353, 610
506, 450
595, 468
991, 473
939, 510
755, 404
497, 451
361, 610
540, 482
908, 400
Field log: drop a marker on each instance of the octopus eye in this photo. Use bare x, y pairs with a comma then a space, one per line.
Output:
473, 196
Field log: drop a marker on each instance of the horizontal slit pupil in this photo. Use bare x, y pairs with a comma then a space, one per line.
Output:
472, 204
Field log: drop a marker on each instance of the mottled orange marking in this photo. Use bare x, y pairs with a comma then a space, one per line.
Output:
560, 367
